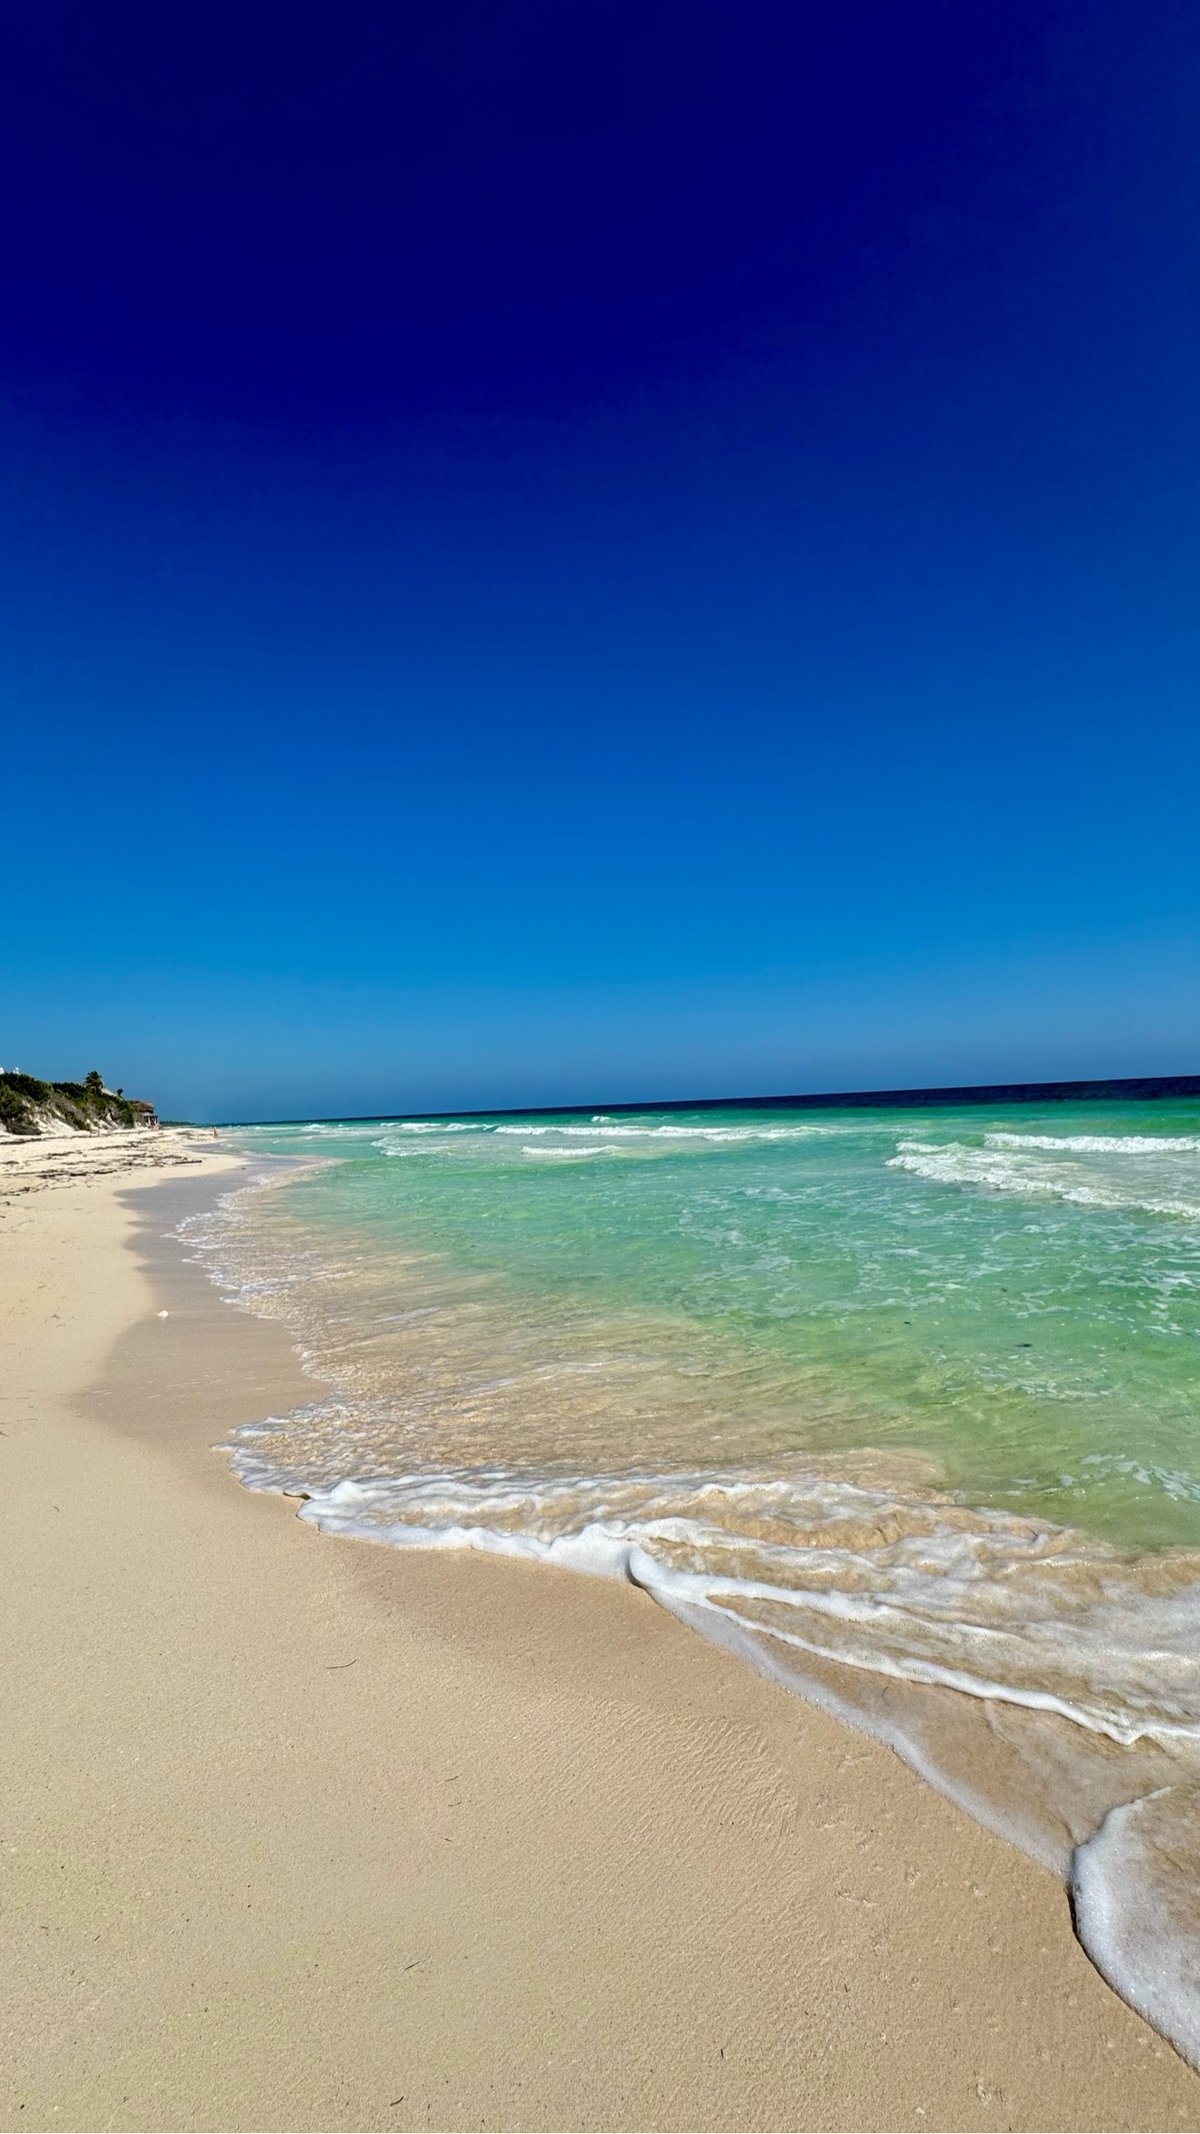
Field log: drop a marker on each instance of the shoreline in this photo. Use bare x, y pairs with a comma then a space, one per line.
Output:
361, 1837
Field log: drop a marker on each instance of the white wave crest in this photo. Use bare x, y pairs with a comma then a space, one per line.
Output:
1100, 1144
1024, 1171
571, 1155
672, 1132
435, 1126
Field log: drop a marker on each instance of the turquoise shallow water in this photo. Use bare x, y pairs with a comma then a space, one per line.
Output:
900, 1405
1014, 1293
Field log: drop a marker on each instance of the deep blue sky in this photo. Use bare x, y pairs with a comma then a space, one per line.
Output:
587, 551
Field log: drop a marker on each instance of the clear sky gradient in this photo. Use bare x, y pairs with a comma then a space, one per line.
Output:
587, 551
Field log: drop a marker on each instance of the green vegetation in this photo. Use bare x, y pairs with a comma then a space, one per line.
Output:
31, 1106
15, 1112
27, 1085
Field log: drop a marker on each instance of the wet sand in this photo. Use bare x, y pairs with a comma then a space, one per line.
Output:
304, 1833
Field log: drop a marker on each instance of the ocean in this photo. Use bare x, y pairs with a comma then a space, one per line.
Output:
902, 1405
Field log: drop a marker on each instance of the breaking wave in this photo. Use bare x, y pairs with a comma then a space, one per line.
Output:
1138, 1174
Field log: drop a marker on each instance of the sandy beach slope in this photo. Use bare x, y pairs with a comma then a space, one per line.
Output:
28, 1162
301, 1833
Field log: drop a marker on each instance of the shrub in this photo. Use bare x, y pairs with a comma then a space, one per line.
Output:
86, 1105
26, 1085
15, 1114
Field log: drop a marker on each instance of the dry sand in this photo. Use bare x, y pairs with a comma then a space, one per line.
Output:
304, 1833
28, 1162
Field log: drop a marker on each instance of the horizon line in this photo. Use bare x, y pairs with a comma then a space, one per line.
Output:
1148, 1087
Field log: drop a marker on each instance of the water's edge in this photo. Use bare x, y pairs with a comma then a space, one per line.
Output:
1108, 1868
